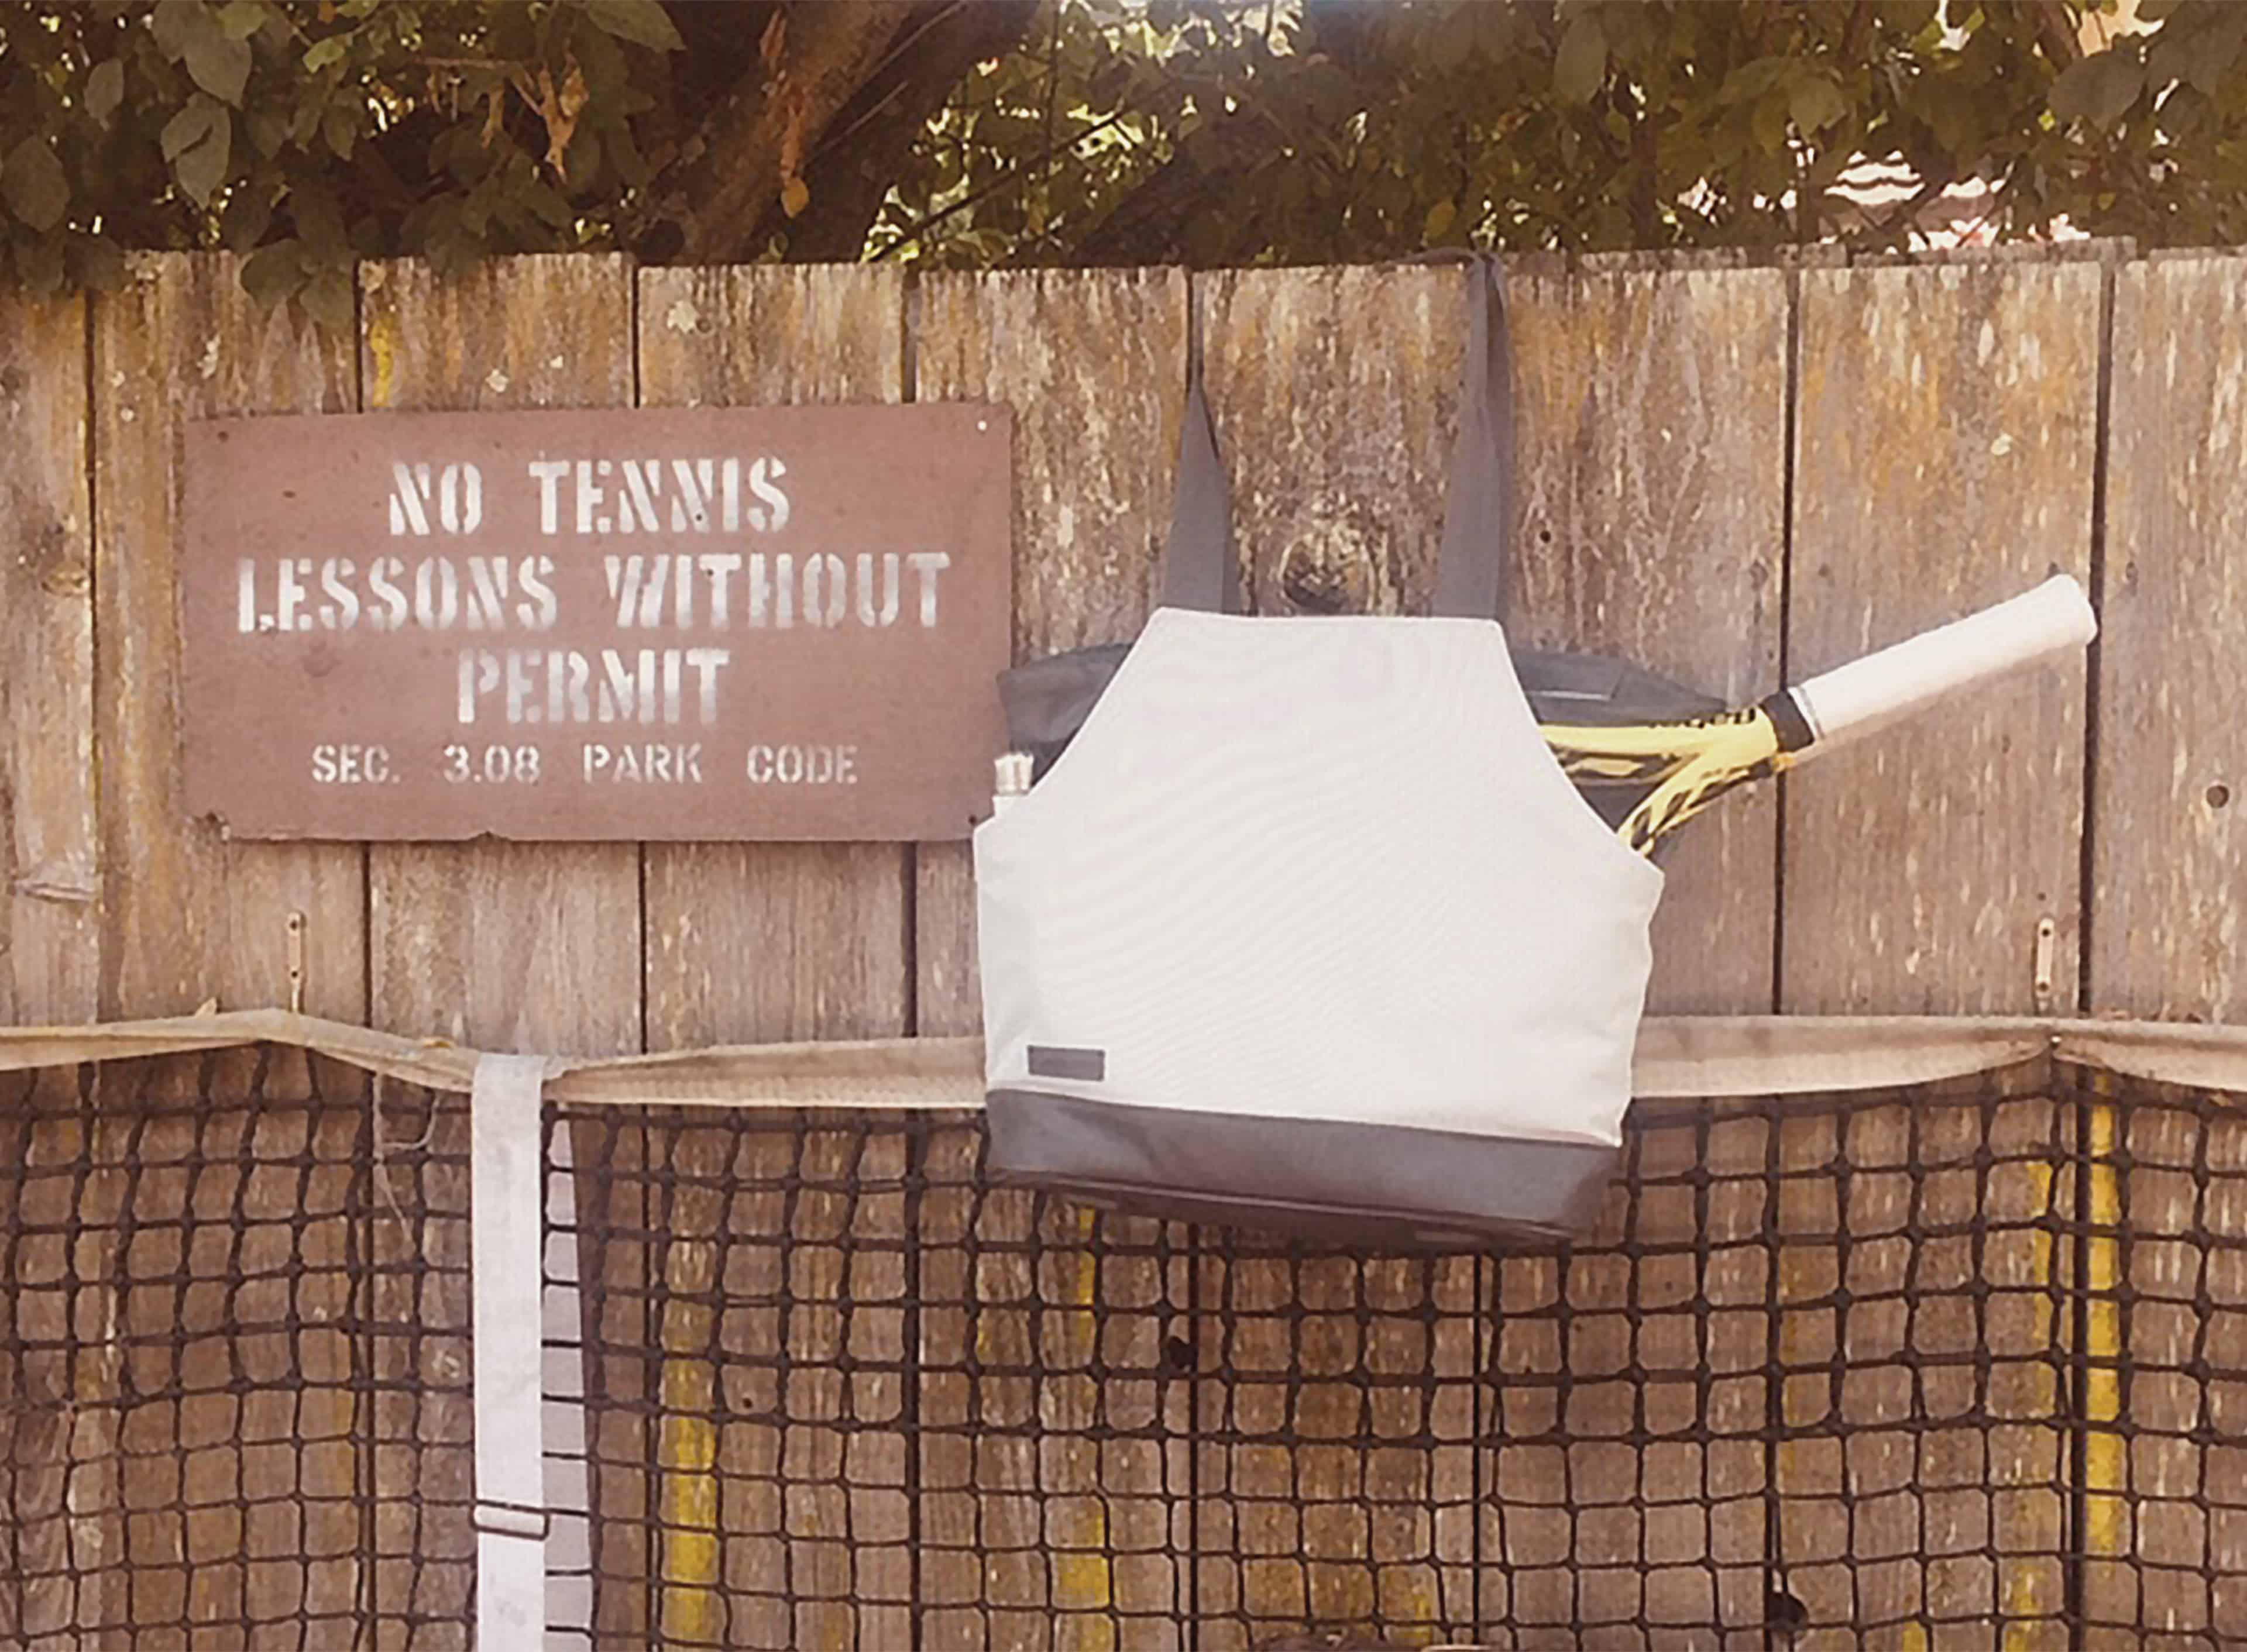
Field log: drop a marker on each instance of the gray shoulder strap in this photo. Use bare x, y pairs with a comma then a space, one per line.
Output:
1200, 569
1471, 566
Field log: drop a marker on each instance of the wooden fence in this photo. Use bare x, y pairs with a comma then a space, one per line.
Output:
1735, 472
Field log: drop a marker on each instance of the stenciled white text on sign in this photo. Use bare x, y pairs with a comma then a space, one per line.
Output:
702, 624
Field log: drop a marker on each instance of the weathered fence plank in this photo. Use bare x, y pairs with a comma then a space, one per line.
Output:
49, 851
2168, 901
1651, 409
749, 942
49, 847
1943, 460
509, 945
1078, 1529
50, 959
1093, 369
188, 916
760, 942
2172, 776
1328, 1491
1652, 417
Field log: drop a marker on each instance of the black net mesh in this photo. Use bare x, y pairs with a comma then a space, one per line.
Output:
1953, 1366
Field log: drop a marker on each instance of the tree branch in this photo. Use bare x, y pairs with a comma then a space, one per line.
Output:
712, 205
2055, 26
865, 146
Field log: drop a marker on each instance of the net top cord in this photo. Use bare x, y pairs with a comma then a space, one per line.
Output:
1889, 1327
1679, 1057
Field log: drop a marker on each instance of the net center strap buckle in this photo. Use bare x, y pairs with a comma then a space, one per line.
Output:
513, 1520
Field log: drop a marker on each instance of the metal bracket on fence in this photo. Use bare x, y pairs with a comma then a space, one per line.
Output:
296, 963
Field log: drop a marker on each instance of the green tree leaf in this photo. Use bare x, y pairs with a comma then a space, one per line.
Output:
268, 129
33, 183
319, 219
39, 264
2172, 55
2217, 49
2101, 87
197, 141
242, 18
219, 63
546, 204
1816, 103
94, 262
104, 89
274, 272
1768, 124
249, 215
175, 23
1581, 65
328, 299
643, 22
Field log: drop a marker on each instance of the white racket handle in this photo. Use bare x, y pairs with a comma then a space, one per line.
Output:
1871, 692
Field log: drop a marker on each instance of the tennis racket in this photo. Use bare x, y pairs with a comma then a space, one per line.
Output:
1679, 768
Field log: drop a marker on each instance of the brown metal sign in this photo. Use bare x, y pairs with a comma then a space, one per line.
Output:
780, 622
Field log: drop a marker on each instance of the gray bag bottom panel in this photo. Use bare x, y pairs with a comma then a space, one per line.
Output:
1340, 1181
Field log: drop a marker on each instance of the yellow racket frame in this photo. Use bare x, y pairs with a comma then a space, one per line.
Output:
1689, 764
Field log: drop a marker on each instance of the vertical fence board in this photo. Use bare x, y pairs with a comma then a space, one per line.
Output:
1651, 412
1327, 1491
50, 850
1943, 460
506, 945
1094, 366
1652, 417
2172, 780
758, 942
2168, 902
188, 915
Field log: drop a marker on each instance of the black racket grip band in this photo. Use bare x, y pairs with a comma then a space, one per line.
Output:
1787, 721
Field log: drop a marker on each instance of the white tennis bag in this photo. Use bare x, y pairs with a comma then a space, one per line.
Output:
1305, 929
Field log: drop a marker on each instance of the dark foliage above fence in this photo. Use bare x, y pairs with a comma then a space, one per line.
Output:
310, 134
